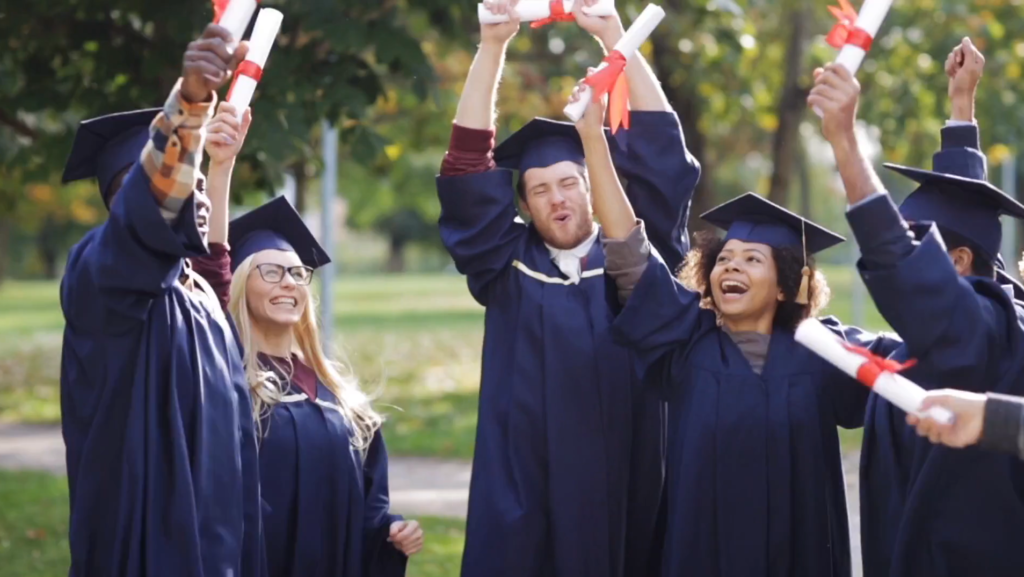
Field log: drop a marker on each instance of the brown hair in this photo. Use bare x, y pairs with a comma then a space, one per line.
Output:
695, 274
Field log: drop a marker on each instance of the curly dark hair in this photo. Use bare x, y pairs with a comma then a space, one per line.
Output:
695, 273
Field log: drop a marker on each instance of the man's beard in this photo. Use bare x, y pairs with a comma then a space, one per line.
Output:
582, 231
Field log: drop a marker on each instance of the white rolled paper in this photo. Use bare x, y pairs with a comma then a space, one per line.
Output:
872, 14
264, 33
893, 387
635, 36
236, 17
533, 10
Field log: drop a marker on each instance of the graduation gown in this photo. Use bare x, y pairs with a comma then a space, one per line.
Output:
155, 411
567, 470
929, 510
755, 482
326, 512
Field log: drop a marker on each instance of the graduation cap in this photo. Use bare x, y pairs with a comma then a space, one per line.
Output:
274, 226
106, 145
540, 143
753, 218
967, 206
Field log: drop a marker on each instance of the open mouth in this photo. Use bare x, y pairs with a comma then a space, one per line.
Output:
284, 301
563, 217
733, 289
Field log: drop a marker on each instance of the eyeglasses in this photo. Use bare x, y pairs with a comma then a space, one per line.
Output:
274, 273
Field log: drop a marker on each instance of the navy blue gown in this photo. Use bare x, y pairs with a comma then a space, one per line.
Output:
568, 465
327, 505
755, 482
929, 510
156, 416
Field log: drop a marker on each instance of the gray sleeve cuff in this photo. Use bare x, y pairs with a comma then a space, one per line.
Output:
1004, 425
625, 259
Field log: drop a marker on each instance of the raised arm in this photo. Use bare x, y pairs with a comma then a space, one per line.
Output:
918, 291
224, 138
137, 254
661, 174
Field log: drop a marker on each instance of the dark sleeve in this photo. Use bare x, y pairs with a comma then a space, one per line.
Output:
215, 268
470, 151
944, 322
661, 176
1003, 430
660, 317
479, 225
132, 258
847, 395
380, 558
254, 560
961, 153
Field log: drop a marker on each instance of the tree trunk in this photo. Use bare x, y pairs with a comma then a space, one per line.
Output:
687, 104
792, 103
47, 244
298, 170
5, 247
396, 254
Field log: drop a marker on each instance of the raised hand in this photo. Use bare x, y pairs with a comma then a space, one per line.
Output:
225, 133
592, 122
208, 63
407, 537
607, 29
969, 410
964, 67
836, 93
501, 33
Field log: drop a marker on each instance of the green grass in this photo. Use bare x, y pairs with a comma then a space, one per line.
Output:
34, 525
414, 339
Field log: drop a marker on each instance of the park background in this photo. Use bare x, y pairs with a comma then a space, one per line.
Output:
377, 82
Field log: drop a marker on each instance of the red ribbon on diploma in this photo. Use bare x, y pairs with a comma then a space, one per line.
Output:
246, 68
219, 6
611, 81
869, 372
558, 14
845, 31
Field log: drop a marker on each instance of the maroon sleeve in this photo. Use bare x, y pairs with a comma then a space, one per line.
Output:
471, 151
215, 268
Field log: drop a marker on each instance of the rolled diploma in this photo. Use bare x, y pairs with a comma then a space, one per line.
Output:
870, 18
236, 17
268, 23
893, 387
631, 41
532, 10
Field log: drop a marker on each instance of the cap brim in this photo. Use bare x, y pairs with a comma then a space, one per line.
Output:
986, 190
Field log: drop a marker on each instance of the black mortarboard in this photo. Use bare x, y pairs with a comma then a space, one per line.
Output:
540, 143
274, 226
967, 206
106, 145
752, 218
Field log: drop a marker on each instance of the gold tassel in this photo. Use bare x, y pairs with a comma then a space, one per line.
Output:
801, 295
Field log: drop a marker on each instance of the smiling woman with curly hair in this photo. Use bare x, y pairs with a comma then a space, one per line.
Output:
755, 479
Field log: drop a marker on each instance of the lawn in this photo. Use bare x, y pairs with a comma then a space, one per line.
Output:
34, 525
413, 339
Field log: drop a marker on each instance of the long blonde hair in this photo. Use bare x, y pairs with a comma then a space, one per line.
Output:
264, 385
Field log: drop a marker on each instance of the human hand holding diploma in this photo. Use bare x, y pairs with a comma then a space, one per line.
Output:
234, 15
249, 72
541, 12
967, 426
873, 371
854, 32
607, 78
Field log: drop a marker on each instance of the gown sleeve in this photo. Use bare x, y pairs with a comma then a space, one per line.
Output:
136, 255
943, 320
215, 268
848, 396
479, 225
660, 317
380, 557
661, 176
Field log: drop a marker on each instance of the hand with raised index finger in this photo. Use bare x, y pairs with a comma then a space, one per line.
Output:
208, 63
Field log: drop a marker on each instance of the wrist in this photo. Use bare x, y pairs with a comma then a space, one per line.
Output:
609, 39
222, 166
963, 109
844, 143
493, 47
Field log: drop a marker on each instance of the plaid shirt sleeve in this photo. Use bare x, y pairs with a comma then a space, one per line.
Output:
174, 152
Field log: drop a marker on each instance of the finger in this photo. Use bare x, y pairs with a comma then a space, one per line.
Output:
241, 51
912, 420
833, 76
950, 66
958, 56
207, 70
229, 118
246, 121
827, 93
818, 72
207, 58
396, 528
220, 139
409, 531
214, 46
214, 31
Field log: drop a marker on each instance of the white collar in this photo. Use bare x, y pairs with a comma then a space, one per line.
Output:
568, 260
